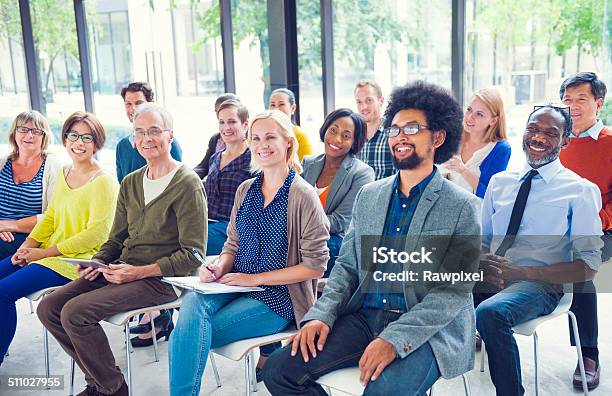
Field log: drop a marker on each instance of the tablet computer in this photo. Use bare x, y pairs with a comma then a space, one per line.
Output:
85, 263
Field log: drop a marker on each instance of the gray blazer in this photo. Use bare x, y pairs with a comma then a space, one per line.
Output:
440, 313
350, 177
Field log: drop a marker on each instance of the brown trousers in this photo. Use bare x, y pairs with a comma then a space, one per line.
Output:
72, 314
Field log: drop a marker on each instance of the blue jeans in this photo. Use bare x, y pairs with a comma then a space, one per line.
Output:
9, 248
495, 317
288, 375
17, 282
333, 244
210, 321
217, 235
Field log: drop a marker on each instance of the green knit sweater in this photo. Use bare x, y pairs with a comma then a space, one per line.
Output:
164, 230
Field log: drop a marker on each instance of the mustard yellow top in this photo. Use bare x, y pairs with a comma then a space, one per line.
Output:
304, 146
77, 221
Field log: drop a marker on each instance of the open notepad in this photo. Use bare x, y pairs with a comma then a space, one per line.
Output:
194, 283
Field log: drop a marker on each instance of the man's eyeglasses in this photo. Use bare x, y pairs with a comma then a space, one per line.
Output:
34, 131
559, 106
152, 132
412, 128
74, 136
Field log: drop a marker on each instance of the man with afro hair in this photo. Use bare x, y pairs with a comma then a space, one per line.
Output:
401, 334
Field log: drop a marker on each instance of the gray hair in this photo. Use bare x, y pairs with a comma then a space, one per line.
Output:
154, 108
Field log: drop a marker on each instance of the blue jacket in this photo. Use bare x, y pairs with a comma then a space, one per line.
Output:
495, 162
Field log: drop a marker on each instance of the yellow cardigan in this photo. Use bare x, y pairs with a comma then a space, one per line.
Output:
304, 145
77, 221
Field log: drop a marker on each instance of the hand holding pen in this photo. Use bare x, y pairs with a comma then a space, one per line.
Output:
207, 273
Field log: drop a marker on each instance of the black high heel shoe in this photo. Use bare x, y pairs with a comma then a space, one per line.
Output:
138, 342
161, 321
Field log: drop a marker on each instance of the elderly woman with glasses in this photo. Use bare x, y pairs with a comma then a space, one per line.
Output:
159, 229
75, 224
27, 178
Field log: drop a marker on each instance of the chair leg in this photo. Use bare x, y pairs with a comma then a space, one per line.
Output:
46, 351
154, 335
535, 362
214, 368
31, 307
253, 371
71, 377
466, 385
572, 317
128, 357
247, 374
483, 352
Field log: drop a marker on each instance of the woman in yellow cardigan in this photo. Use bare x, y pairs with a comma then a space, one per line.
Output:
283, 100
76, 223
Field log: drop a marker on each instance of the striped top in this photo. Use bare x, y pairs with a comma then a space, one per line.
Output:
18, 201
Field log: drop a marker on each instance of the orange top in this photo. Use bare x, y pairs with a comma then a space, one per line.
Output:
323, 196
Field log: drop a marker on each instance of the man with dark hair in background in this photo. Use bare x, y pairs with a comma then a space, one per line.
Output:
127, 158
589, 154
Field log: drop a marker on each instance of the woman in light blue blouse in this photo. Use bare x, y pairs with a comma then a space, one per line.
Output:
484, 149
276, 240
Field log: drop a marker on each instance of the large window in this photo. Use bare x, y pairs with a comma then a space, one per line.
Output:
526, 51
310, 69
13, 82
392, 42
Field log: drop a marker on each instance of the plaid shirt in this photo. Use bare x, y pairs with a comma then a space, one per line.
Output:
377, 154
399, 216
221, 184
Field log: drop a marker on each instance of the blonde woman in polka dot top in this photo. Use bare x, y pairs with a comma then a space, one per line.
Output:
276, 239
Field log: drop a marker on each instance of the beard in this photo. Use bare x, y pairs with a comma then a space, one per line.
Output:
410, 162
552, 154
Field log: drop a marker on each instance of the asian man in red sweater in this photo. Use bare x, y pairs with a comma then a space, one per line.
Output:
589, 154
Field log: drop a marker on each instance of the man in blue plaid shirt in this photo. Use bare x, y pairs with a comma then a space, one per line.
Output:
369, 100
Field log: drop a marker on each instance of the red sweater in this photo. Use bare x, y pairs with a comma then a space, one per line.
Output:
592, 159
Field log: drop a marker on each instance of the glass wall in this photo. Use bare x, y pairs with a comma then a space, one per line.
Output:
310, 69
392, 42
14, 96
57, 56
526, 51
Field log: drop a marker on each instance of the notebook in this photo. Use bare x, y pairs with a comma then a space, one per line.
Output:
194, 283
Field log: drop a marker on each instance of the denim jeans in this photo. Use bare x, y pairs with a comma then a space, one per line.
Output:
210, 321
217, 235
495, 317
9, 248
17, 282
333, 244
286, 375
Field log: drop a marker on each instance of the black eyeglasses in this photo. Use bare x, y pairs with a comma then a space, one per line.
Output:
559, 106
34, 131
74, 136
412, 128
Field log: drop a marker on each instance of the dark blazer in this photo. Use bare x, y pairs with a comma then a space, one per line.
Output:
351, 176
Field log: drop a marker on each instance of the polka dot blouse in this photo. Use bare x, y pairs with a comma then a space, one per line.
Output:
263, 244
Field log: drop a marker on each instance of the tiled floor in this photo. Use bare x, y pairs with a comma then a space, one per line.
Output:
557, 362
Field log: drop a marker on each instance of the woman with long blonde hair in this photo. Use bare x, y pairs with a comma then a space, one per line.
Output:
276, 239
484, 149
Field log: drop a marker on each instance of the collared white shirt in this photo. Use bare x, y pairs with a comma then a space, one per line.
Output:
561, 220
593, 131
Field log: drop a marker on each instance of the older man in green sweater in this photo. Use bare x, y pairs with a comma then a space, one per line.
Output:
160, 221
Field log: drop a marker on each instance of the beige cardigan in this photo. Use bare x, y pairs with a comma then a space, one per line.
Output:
307, 235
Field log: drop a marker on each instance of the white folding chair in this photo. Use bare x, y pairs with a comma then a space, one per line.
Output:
346, 380
123, 319
245, 349
37, 295
529, 328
